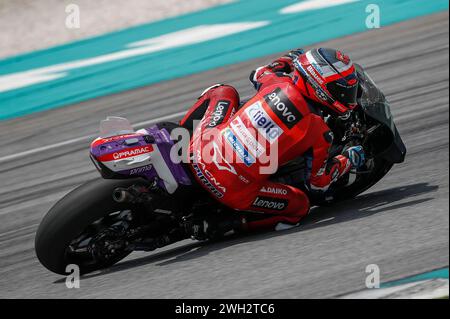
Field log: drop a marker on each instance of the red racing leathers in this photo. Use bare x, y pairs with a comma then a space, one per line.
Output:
235, 149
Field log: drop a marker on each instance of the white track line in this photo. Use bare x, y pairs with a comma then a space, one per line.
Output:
86, 138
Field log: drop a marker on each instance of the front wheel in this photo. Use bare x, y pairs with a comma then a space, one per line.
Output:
87, 214
364, 181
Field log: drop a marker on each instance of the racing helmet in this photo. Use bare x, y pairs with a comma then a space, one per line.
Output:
328, 77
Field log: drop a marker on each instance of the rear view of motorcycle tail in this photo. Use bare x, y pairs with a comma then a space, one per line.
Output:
138, 205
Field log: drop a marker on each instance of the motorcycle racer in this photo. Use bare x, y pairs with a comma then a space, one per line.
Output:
285, 119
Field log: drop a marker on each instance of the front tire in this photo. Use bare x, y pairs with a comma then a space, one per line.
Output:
364, 182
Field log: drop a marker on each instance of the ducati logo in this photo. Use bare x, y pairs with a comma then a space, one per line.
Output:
220, 162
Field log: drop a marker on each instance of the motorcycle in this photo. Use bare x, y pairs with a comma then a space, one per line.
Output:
145, 199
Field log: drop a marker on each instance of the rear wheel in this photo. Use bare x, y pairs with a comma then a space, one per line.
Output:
83, 228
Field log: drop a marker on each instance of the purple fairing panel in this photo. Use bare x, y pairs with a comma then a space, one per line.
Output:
165, 144
144, 153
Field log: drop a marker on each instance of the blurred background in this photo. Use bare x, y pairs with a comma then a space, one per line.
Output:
30, 25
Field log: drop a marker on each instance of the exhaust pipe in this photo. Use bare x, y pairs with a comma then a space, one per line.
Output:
122, 195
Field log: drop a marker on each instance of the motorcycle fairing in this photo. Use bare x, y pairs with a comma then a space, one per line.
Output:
144, 153
374, 104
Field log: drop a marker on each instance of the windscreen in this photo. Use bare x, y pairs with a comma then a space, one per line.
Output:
370, 92
114, 126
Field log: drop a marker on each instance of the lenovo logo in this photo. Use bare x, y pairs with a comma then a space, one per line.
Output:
219, 113
283, 108
270, 203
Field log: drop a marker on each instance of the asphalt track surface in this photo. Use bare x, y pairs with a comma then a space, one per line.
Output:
401, 224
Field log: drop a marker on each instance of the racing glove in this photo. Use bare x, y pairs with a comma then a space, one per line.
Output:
285, 63
280, 67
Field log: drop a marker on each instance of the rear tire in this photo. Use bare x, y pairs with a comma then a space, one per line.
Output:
70, 216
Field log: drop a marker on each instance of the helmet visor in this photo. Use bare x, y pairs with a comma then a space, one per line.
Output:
344, 92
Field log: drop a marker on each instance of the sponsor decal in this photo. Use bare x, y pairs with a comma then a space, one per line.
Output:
250, 142
207, 178
239, 149
312, 71
317, 68
270, 203
142, 169
244, 179
283, 107
206, 182
221, 163
263, 122
130, 152
321, 95
219, 113
274, 190
339, 107
324, 70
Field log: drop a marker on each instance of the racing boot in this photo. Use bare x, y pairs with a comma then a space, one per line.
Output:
214, 227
